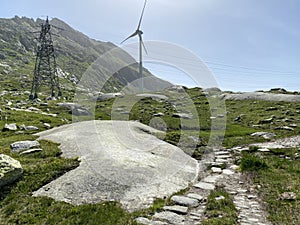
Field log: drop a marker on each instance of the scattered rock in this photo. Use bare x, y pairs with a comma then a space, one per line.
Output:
159, 114
269, 120
293, 125
177, 209
265, 135
24, 145
10, 170
183, 115
153, 96
263, 150
30, 151
287, 120
107, 96
284, 128
81, 112
75, 109
2, 56
185, 201
220, 115
10, 127
288, 196
176, 88
271, 108
44, 104
47, 125
219, 198
69, 105
238, 118
29, 128
169, 217
33, 109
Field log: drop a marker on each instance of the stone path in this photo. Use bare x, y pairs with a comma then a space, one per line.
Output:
188, 209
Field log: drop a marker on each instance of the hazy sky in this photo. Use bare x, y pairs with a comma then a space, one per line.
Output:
248, 44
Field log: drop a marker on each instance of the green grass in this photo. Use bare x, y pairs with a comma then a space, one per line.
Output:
282, 175
273, 173
17, 206
220, 212
251, 162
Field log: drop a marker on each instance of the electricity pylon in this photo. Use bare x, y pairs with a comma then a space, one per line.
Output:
45, 70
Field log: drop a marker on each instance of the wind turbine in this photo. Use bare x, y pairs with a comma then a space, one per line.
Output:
141, 45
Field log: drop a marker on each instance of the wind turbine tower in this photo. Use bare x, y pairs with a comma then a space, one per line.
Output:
141, 46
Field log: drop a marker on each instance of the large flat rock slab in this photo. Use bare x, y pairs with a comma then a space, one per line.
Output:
120, 161
262, 96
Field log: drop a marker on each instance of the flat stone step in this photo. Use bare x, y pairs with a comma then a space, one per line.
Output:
204, 186
221, 160
195, 196
222, 153
185, 201
169, 217
223, 156
177, 209
228, 172
216, 170
216, 164
212, 178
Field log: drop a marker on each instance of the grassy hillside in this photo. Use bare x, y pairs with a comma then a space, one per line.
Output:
75, 52
243, 118
274, 172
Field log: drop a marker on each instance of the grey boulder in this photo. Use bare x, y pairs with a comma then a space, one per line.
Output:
10, 170
23, 145
10, 127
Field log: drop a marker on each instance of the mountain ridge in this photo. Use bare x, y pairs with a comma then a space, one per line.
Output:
75, 53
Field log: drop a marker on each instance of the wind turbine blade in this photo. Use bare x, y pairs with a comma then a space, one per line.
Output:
144, 46
134, 34
140, 22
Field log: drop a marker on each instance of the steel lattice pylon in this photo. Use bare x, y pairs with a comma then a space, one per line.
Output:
45, 70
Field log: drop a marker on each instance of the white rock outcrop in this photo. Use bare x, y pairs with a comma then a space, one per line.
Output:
120, 161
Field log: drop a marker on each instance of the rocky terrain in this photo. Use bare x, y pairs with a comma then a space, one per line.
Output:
75, 52
174, 155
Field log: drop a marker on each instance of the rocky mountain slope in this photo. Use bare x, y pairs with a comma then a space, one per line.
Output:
75, 53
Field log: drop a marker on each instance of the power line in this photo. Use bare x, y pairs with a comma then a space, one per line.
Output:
243, 69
